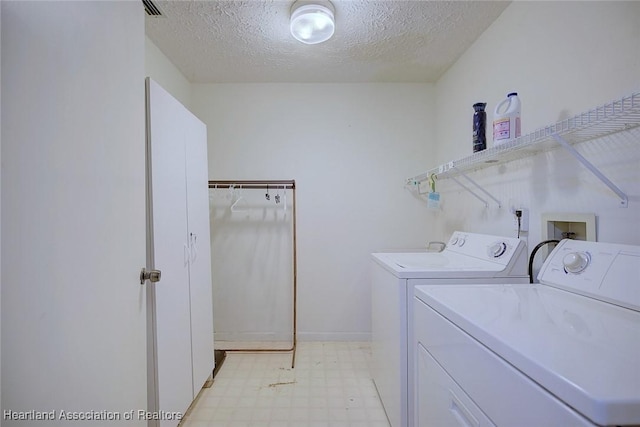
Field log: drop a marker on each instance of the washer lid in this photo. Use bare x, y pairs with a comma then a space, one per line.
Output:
585, 352
467, 255
429, 265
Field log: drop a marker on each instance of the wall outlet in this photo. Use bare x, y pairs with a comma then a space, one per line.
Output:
524, 219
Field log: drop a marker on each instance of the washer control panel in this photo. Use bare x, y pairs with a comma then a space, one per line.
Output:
605, 271
497, 249
491, 248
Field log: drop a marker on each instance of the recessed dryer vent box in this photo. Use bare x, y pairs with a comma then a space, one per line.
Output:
576, 226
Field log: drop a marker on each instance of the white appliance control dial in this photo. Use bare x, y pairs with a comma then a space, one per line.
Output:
497, 249
461, 242
576, 262
454, 241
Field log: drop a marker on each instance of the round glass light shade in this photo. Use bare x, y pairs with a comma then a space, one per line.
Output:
312, 23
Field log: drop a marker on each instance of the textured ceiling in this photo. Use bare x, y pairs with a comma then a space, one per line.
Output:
228, 41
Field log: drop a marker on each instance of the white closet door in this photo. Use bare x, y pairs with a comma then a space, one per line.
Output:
199, 238
166, 148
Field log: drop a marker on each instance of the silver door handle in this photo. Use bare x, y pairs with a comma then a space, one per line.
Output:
152, 275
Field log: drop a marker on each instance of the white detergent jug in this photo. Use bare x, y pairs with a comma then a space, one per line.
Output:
506, 120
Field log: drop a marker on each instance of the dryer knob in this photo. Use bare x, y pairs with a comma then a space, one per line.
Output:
497, 249
576, 262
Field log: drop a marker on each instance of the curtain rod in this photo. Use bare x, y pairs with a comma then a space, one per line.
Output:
254, 184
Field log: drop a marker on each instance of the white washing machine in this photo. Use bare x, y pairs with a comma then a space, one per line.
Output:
565, 352
467, 258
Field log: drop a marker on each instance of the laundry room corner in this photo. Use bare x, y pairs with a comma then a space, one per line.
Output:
322, 243
162, 70
348, 147
538, 50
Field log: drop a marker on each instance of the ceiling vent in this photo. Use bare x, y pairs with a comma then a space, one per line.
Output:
151, 8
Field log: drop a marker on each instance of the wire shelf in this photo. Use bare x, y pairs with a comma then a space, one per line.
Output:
616, 116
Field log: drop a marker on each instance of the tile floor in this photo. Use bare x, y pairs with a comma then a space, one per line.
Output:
330, 386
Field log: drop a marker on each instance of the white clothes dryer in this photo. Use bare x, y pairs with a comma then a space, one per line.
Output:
564, 352
467, 258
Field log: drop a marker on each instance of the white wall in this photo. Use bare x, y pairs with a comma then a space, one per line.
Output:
562, 58
0, 204
73, 210
252, 267
349, 147
165, 73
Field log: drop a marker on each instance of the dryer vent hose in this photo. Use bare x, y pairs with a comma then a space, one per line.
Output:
533, 254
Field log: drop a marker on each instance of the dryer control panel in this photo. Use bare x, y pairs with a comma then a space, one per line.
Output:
604, 271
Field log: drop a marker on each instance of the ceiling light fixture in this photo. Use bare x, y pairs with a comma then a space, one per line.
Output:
312, 22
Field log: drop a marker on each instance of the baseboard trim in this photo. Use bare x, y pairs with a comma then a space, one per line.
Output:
334, 336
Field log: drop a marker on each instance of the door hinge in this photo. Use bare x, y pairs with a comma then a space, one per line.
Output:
151, 275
